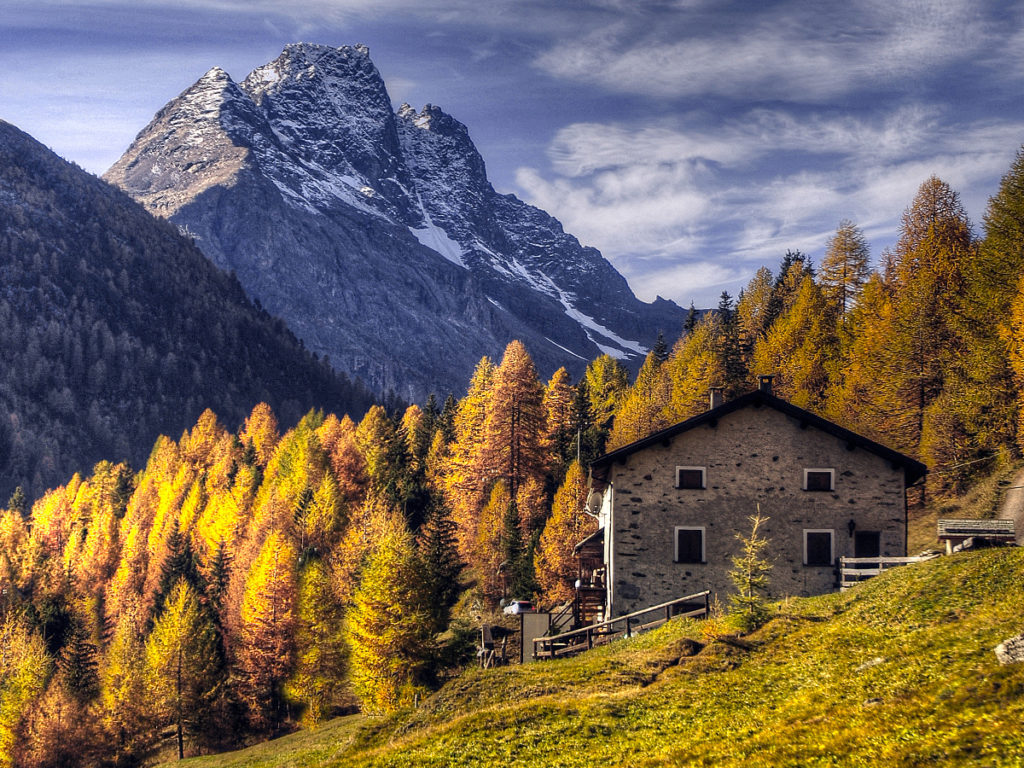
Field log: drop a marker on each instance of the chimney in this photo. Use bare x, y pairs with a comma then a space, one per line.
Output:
764, 383
717, 396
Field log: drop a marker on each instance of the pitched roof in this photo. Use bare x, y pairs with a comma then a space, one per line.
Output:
597, 537
913, 469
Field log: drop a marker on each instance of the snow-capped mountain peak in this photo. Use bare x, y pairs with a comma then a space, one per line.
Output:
311, 141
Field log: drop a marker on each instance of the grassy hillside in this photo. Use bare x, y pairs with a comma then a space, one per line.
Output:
899, 671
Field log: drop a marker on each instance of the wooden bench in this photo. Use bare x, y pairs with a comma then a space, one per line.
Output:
960, 534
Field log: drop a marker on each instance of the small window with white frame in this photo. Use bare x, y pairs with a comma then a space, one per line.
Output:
689, 544
691, 477
819, 546
819, 479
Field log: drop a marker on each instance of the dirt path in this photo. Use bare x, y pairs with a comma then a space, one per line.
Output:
1012, 506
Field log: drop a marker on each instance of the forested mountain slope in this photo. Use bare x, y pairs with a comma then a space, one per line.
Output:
114, 329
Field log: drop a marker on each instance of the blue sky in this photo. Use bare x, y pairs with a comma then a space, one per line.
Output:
691, 141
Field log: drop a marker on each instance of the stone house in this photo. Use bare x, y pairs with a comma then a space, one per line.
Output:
671, 505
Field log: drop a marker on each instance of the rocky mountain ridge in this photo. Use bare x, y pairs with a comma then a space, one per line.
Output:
375, 233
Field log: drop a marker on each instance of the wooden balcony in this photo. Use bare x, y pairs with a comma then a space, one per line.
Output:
588, 605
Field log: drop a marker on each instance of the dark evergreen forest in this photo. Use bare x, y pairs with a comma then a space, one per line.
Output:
114, 329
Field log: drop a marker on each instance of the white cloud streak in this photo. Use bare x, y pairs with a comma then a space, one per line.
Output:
672, 206
790, 51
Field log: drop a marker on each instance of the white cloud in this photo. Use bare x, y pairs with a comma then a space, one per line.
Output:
791, 51
684, 282
682, 212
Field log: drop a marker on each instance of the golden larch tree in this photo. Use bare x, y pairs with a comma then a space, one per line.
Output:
513, 448
693, 367
182, 668
386, 626
800, 348
318, 679
465, 480
260, 433
642, 410
267, 643
568, 526
845, 268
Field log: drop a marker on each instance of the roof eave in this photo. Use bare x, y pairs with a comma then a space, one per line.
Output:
913, 469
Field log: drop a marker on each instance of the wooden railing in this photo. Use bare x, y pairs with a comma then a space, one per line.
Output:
564, 617
579, 640
853, 570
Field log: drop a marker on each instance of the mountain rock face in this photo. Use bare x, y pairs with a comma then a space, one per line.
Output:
115, 329
375, 234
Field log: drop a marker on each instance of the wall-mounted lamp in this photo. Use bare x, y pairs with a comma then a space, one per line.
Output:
851, 527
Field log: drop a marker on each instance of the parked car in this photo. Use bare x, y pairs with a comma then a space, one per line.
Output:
519, 606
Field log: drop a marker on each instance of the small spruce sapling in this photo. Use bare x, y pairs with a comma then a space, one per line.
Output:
750, 576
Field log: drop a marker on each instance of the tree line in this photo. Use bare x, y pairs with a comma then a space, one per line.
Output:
244, 582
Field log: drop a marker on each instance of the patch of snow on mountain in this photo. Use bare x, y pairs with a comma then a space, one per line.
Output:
436, 239
590, 325
539, 282
564, 349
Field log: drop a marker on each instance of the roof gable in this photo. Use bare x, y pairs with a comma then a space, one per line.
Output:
913, 469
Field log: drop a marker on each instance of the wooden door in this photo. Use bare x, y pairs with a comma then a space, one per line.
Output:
867, 544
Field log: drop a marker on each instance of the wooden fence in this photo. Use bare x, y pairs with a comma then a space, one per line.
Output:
579, 640
853, 570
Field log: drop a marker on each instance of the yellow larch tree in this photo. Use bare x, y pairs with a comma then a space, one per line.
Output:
386, 626
513, 448
25, 668
436, 464
487, 554
800, 348
607, 382
374, 436
845, 268
693, 367
927, 285
318, 679
752, 310
125, 705
559, 435
862, 398
260, 433
265, 652
642, 410
465, 480
415, 437
568, 526
183, 672
338, 438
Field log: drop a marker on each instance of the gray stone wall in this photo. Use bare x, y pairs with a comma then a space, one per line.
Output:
753, 456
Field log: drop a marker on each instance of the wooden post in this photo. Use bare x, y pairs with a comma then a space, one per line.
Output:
628, 634
590, 638
707, 605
